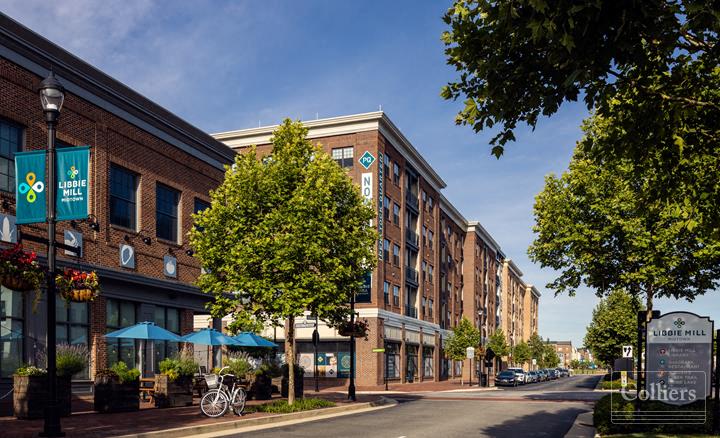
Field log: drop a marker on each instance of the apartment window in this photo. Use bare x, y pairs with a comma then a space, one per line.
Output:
424, 235
431, 303
396, 174
199, 206
431, 207
424, 199
396, 295
343, 156
12, 330
11, 136
430, 273
120, 314
166, 212
386, 292
386, 250
396, 255
386, 208
123, 197
431, 237
424, 269
396, 214
422, 309
387, 166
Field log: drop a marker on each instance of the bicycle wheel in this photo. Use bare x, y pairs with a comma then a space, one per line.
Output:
214, 403
238, 404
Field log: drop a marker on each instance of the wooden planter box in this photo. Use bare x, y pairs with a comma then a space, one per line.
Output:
113, 396
31, 394
170, 394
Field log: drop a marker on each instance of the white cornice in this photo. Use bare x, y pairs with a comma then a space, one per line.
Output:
534, 290
350, 124
391, 319
511, 264
453, 213
477, 227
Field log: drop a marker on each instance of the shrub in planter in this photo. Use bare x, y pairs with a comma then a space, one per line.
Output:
299, 375
31, 394
117, 389
174, 384
261, 386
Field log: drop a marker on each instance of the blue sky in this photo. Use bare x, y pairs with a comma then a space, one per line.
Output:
226, 65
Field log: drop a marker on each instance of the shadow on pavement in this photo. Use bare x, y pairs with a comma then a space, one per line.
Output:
538, 424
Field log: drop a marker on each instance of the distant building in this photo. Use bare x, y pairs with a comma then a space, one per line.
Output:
584, 355
565, 352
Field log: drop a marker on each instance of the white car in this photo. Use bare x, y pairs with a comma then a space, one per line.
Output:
519, 374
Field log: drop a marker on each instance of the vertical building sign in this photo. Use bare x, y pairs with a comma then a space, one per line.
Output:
381, 197
30, 187
73, 166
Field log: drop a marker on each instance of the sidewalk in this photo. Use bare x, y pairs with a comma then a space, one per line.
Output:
148, 419
445, 385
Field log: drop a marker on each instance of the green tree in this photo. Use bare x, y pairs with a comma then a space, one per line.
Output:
536, 346
614, 324
520, 60
498, 344
549, 358
576, 364
283, 235
521, 353
463, 335
600, 224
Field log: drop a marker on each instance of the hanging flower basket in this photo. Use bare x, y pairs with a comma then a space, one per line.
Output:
78, 286
359, 329
20, 270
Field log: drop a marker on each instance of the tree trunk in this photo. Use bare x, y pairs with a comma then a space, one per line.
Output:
649, 304
290, 358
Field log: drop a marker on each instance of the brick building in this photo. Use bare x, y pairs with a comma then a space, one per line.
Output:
150, 171
435, 266
565, 351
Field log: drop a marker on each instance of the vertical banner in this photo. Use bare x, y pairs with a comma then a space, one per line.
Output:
30, 187
73, 166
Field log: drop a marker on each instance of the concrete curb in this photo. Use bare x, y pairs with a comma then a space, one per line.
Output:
260, 421
582, 427
493, 388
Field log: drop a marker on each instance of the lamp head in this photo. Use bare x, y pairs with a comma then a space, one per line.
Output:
52, 94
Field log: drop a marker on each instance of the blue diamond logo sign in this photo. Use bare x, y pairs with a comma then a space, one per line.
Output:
367, 159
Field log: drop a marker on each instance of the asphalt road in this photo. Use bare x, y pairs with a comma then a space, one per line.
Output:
546, 409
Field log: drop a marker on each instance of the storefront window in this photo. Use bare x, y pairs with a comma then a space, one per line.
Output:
72, 327
428, 368
392, 351
411, 364
11, 331
120, 314
169, 319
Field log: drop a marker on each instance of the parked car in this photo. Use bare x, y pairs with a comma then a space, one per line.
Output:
563, 372
553, 374
542, 375
506, 378
519, 374
532, 377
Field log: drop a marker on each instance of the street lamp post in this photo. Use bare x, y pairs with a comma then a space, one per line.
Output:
351, 385
52, 95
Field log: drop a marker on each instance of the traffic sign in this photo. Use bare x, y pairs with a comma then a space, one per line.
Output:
378, 350
534, 361
627, 351
470, 352
623, 378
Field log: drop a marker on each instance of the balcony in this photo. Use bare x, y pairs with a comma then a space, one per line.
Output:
412, 202
411, 276
410, 311
412, 238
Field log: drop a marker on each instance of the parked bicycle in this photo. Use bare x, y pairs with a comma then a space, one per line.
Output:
220, 396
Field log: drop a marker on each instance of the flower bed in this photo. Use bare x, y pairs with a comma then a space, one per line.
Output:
20, 271
78, 286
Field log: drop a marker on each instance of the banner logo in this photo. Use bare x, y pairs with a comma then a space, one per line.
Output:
72, 173
32, 188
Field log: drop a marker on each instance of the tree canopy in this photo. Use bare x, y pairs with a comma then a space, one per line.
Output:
549, 357
521, 353
498, 343
463, 335
614, 324
536, 347
283, 235
520, 60
603, 224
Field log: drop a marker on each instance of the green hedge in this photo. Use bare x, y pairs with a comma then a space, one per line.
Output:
282, 406
604, 425
617, 384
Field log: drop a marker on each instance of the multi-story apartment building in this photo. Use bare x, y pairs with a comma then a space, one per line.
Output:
530, 311
434, 265
513, 298
565, 351
149, 172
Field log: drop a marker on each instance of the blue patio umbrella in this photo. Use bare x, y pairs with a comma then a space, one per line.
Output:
250, 339
209, 336
144, 331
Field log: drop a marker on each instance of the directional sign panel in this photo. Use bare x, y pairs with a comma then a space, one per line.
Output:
627, 351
